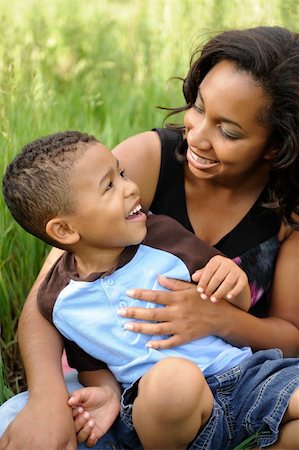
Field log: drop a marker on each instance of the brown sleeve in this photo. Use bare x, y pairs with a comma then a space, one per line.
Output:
55, 281
165, 233
79, 359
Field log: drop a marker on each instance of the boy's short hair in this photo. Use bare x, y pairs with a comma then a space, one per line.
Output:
37, 183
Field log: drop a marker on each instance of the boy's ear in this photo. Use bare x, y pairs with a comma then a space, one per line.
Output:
60, 230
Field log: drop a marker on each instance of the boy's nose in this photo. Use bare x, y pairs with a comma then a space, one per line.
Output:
130, 188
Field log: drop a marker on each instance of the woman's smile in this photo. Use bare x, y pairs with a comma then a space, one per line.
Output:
199, 162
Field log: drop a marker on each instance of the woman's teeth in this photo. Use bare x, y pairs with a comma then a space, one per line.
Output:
201, 160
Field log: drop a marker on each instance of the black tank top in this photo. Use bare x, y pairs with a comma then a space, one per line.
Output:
252, 243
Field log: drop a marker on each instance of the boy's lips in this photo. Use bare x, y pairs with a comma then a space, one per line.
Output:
135, 210
136, 213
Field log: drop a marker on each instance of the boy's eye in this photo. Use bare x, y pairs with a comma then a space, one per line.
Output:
198, 108
110, 186
122, 173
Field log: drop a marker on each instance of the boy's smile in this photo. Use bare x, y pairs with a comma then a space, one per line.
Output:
108, 212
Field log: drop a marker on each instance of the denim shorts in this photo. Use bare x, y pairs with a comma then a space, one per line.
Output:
249, 398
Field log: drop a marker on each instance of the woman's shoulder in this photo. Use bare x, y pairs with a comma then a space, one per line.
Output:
169, 136
286, 230
140, 156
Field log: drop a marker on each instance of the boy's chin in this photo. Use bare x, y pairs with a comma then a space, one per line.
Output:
139, 237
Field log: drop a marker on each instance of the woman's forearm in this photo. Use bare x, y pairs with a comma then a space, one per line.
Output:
243, 329
40, 344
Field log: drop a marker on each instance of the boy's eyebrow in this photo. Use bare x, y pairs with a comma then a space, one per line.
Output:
109, 172
222, 119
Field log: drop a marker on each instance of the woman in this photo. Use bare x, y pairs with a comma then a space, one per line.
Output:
236, 187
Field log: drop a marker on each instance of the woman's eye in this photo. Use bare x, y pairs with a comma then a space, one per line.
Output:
228, 134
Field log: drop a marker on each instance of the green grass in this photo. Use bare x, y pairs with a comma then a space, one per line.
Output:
98, 66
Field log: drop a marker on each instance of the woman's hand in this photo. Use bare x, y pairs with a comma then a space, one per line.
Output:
185, 316
42, 424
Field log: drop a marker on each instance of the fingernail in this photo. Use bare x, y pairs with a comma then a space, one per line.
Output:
122, 312
213, 299
130, 292
204, 296
229, 296
200, 289
128, 326
86, 415
148, 344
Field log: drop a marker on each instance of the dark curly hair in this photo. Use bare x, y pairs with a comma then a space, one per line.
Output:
36, 184
271, 56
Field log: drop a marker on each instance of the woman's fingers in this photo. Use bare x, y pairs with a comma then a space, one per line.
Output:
160, 297
85, 432
81, 421
148, 314
173, 284
172, 341
156, 329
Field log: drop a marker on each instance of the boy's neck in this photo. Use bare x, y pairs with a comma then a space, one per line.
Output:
97, 261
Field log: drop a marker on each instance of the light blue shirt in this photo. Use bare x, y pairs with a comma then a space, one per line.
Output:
85, 312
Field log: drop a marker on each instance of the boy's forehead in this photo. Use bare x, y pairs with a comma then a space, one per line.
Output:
99, 146
98, 154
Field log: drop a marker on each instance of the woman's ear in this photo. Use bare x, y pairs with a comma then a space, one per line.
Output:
60, 230
270, 153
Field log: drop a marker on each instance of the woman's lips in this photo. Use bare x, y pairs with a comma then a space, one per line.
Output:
198, 162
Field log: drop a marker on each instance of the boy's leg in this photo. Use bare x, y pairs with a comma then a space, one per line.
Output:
289, 430
173, 403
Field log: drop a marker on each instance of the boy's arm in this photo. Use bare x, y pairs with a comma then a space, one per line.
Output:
223, 278
95, 407
46, 422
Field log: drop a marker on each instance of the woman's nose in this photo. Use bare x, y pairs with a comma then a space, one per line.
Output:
198, 137
197, 132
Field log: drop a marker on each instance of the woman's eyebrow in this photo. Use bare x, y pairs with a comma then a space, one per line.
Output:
221, 118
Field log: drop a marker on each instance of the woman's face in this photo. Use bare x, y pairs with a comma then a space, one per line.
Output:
225, 135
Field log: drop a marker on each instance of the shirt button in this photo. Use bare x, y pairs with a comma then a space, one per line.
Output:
110, 281
122, 305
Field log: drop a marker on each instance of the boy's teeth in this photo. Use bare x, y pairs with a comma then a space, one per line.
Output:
135, 210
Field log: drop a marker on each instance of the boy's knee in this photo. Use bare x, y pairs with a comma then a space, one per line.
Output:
292, 412
173, 385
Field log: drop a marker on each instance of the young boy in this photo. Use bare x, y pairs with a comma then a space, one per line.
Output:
68, 190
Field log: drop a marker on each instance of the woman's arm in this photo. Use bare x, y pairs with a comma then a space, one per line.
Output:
40, 344
46, 422
281, 328
187, 317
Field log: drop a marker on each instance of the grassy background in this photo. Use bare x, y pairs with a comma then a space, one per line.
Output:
99, 66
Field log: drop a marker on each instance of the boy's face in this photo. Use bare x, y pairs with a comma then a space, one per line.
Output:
107, 202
